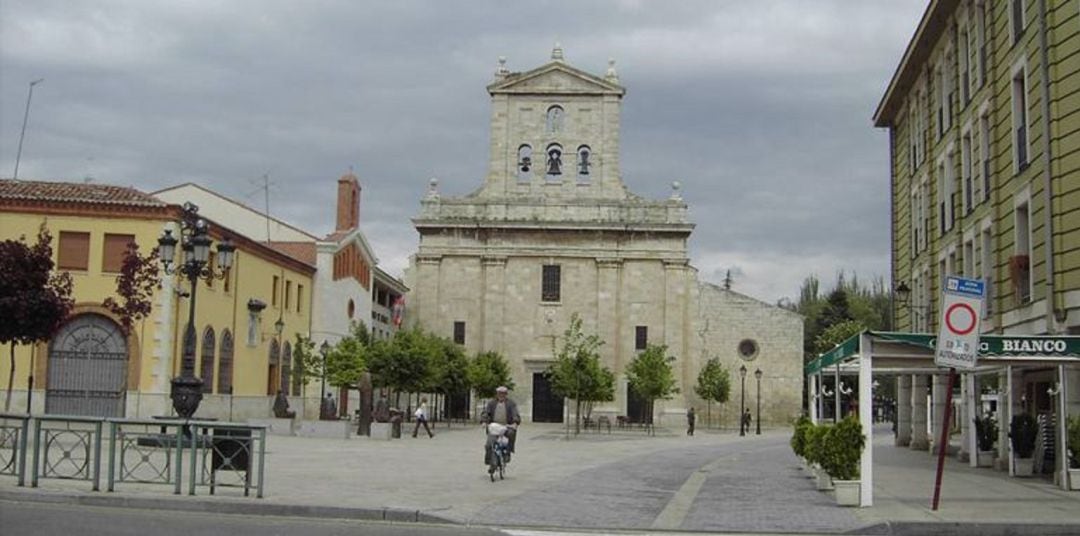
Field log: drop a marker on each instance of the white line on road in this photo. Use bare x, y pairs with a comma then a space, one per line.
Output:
679, 506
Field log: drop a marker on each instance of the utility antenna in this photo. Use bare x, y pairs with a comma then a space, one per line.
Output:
263, 185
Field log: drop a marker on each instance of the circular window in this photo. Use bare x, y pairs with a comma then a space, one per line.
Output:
352, 308
748, 349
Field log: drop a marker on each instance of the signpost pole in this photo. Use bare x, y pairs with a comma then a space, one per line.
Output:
943, 441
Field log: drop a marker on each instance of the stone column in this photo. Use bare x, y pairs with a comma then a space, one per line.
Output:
963, 413
609, 307
937, 415
919, 439
675, 325
903, 411
491, 308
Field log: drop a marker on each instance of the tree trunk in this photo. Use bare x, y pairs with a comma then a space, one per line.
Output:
10, 379
577, 416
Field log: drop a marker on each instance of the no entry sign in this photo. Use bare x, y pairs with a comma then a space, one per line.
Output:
958, 338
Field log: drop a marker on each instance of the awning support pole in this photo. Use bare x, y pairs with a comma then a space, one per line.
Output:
943, 443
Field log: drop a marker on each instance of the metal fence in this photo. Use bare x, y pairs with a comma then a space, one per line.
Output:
155, 452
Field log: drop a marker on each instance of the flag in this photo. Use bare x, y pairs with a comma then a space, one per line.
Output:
398, 311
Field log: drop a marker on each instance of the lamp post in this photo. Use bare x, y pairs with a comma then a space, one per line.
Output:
186, 392
742, 400
903, 295
757, 376
22, 133
324, 350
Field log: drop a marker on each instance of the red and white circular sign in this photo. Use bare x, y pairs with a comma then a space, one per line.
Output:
960, 318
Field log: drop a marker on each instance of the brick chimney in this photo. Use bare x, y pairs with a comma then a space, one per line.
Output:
348, 202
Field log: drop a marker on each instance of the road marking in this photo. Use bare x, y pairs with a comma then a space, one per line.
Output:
679, 506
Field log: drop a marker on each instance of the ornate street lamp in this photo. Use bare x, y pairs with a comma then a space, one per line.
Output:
757, 375
195, 242
324, 350
742, 400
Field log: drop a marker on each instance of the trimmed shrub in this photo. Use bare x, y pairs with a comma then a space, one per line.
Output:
986, 432
843, 449
814, 450
1022, 431
1073, 437
798, 438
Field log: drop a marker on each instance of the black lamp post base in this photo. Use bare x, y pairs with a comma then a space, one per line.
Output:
186, 395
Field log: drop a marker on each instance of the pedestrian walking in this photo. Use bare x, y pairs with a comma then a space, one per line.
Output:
422, 418
690, 418
746, 420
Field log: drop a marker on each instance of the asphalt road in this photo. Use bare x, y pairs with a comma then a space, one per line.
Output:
46, 519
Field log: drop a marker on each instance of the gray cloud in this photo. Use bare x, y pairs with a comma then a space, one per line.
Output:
761, 109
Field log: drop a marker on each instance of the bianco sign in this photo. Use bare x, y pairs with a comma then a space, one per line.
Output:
958, 338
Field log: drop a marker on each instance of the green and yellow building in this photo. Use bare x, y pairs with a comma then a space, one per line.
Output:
983, 115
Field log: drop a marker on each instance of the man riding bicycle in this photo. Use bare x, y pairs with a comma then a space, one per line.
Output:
504, 411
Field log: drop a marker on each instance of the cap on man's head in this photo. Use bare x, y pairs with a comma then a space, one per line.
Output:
501, 389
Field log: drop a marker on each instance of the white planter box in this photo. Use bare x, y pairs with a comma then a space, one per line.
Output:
281, 427
1024, 467
985, 458
824, 481
325, 429
847, 492
380, 431
1074, 479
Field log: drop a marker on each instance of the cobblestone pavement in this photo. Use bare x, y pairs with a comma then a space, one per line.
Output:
750, 484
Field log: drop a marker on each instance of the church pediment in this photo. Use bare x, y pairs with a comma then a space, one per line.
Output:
555, 77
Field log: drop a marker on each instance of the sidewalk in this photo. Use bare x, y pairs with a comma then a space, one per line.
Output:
627, 480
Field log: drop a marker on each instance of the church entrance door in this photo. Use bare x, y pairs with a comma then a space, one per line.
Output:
636, 407
547, 407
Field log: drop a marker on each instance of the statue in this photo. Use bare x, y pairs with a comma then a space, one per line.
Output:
328, 408
281, 407
364, 412
382, 409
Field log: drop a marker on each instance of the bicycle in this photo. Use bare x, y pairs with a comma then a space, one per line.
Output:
500, 450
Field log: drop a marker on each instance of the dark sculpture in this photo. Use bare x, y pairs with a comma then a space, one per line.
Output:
328, 408
364, 412
281, 407
382, 409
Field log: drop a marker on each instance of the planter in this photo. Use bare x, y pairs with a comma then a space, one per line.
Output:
1074, 479
824, 481
1024, 467
984, 458
847, 492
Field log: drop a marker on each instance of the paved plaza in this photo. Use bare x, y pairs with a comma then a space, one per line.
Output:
715, 482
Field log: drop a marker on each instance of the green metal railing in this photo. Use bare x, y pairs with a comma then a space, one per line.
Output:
14, 429
68, 447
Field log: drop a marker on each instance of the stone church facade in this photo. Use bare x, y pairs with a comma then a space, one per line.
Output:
553, 231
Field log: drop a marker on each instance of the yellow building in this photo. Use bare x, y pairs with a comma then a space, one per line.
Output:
92, 367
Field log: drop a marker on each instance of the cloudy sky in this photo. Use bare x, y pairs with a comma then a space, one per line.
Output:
761, 109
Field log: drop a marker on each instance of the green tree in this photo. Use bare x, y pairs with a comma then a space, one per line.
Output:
449, 369
402, 364
713, 385
487, 371
576, 371
650, 375
347, 360
836, 334
307, 363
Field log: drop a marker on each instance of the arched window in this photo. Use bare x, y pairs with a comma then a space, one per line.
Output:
583, 163
554, 160
286, 368
273, 383
206, 365
555, 119
225, 366
524, 162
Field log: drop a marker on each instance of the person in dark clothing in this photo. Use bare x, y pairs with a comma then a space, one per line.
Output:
690, 418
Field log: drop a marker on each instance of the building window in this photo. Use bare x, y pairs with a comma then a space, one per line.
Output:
980, 36
945, 195
984, 153
288, 294
555, 119
1019, 119
116, 245
299, 297
641, 337
1017, 16
274, 291
225, 364
748, 349
987, 271
459, 332
965, 173
963, 51
554, 161
524, 162
351, 309
583, 165
550, 283
969, 259
206, 366
1020, 263
74, 251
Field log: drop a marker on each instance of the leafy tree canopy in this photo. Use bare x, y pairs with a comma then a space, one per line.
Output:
487, 371
403, 362
714, 382
138, 279
449, 368
348, 359
650, 374
576, 371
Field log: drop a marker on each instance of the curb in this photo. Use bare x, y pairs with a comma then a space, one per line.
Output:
975, 528
392, 515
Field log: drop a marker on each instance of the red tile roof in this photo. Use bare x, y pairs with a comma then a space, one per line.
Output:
70, 192
301, 251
